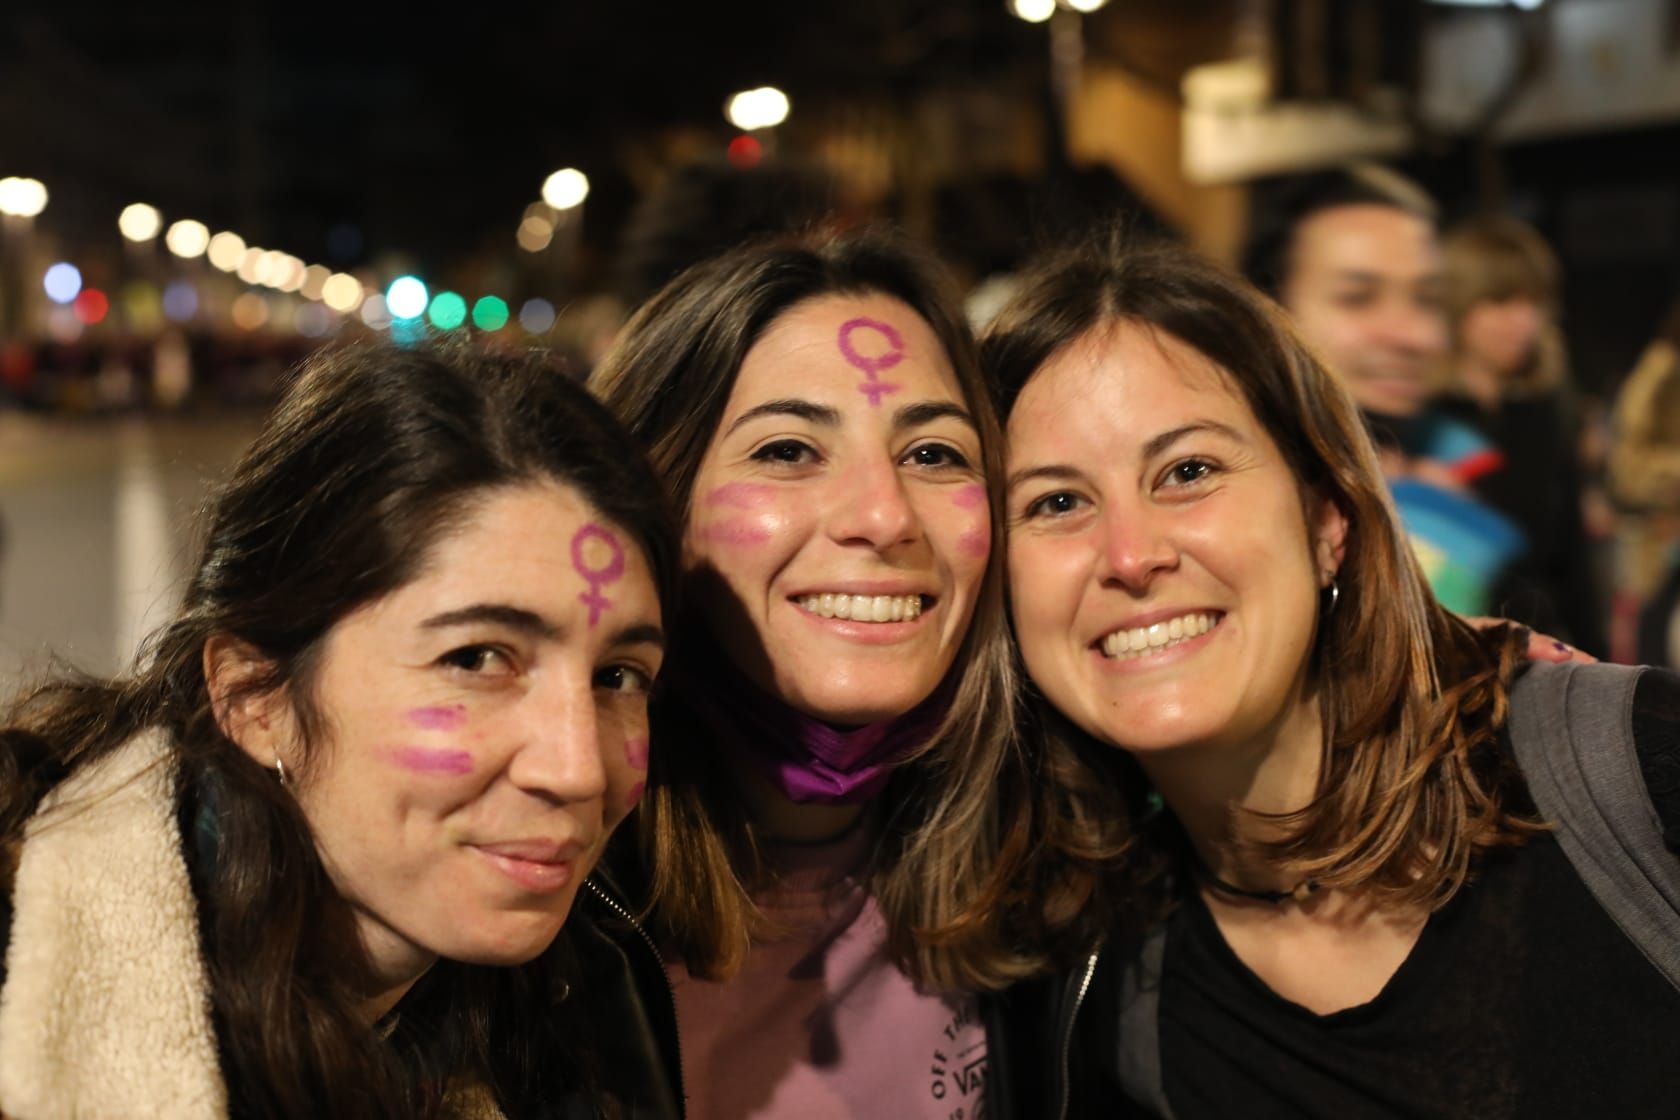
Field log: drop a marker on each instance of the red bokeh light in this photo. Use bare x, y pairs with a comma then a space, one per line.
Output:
91, 306
745, 151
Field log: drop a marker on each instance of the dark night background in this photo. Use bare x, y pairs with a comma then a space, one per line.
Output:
429, 129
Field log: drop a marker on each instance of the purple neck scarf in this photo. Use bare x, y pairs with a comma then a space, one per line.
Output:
810, 762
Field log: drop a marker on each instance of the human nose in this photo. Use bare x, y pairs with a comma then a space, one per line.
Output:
1414, 328
1136, 547
560, 755
874, 507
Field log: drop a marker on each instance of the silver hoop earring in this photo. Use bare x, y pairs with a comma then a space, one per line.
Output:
280, 770
1335, 594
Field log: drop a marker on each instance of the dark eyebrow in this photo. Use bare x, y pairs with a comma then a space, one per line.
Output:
515, 618
534, 624
1062, 473
805, 410
644, 632
926, 412
1055, 472
1166, 439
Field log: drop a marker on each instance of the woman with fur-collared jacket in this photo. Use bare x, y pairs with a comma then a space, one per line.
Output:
378, 749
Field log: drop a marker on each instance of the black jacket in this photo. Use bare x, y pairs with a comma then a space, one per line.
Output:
627, 1000
1032, 1024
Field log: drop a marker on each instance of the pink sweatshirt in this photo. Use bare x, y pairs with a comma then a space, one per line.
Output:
819, 1024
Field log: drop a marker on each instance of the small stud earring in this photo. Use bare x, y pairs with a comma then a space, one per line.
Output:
280, 770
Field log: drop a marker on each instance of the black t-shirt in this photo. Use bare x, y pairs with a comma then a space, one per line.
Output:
1521, 998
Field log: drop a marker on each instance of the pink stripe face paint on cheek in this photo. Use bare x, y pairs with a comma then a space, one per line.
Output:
976, 542
972, 496
597, 576
742, 495
423, 760
636, 753
735, 533
871, 364
446, 717
634, 796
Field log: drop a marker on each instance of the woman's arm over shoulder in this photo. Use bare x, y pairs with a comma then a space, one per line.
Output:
1656, 737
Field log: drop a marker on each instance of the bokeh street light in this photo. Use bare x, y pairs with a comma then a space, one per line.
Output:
342, 292
1037, 11
537, 315
291, 273
249, 263
270, 267
447, 311
490, 313
187, 239
315, 279
21, 197
63, 282
139, 222
226, 251
566, 189
249, 312
406, 298
374, 312
753, 109
535, 232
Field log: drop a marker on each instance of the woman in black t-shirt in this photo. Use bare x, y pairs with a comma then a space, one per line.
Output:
1351, 904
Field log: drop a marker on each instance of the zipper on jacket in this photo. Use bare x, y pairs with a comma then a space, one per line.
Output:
623, 911
1064, 1090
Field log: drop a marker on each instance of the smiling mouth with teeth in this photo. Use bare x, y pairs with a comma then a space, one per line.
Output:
863, 608
1140, 640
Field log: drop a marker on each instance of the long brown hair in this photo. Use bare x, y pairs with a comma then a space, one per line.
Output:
668, 379
368, 460
1493, 258
1412, 782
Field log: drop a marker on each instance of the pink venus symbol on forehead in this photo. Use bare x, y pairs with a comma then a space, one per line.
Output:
872, 386
597, 578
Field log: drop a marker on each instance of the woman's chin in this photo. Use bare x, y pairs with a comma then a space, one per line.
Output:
859, 702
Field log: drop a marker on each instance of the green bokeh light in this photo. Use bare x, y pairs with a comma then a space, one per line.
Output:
447, 311
490, 313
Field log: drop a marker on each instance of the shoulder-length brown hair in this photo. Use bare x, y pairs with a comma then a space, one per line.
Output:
1494, 258
1412, 780
668, 379
371, 456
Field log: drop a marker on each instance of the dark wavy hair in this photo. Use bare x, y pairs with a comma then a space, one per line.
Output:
669, 379
1413, 783
371, 456
1283, 206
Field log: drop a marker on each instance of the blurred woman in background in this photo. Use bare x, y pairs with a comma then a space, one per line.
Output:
1645, 481
1507, 374
381, 745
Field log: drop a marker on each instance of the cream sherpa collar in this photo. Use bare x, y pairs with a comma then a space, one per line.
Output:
105, 1011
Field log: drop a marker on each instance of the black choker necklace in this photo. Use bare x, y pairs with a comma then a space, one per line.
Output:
1299, 893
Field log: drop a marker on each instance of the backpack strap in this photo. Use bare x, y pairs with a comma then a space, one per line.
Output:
1571, 730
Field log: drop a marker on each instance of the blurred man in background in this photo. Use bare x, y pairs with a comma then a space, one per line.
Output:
1353, 254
